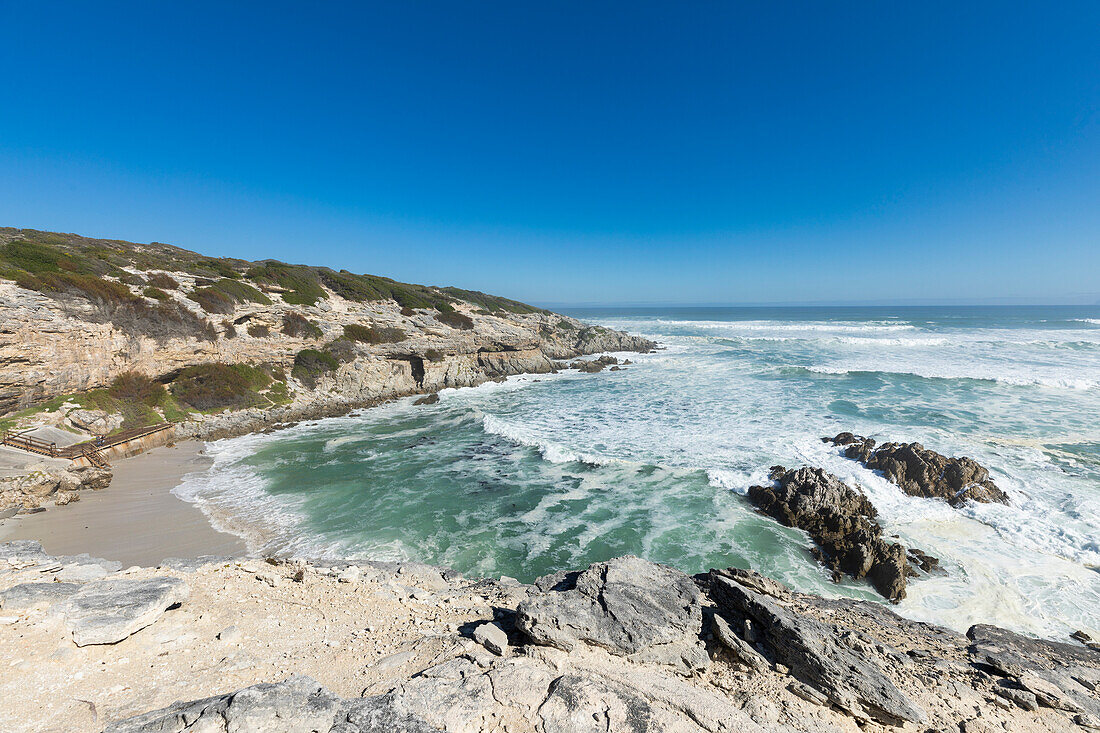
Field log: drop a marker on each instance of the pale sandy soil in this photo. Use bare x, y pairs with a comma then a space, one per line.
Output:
136, 520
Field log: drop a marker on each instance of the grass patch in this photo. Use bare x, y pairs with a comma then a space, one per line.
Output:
155, 293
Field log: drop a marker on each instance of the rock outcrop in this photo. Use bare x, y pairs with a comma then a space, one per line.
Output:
923, 472
814, 655
43, 482
302, 646
628, 606
107, 611
842, 522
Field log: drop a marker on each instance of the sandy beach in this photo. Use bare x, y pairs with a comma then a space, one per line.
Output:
136, 520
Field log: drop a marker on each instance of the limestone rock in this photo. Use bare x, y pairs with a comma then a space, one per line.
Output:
298, 705
492, 637
815, 655
923, 472
96, 422
107, 611
29, 595
626, 605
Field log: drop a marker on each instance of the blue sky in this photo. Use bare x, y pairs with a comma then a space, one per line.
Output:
712, 152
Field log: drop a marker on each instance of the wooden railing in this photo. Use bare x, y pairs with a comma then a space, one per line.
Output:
89, 449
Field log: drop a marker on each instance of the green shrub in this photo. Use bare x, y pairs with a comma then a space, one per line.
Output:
134, 386
566, 326
296, 325
434, 355
341, 349
311, 364
373, 334
93, 288
228, 329
155, 293
216, 386
212, 300
491, 303
218, 267
131, 278
407, 311
163, 280
258, 330
455, 320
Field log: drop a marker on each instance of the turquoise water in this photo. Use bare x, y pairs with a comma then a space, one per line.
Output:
548, 472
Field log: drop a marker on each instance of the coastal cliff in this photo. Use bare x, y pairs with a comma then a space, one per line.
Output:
79, 313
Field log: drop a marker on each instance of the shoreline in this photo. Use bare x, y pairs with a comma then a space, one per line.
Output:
137, 520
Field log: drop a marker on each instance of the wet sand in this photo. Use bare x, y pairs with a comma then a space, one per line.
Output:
136, 520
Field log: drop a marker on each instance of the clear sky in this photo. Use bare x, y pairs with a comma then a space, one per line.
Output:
561, 152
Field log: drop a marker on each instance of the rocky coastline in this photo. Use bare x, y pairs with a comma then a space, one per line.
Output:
289, 645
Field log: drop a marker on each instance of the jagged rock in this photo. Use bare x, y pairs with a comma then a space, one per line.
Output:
626, 605
814, 655
741, 650
428, 399
107, 611
96, 422
1048, 672
923, 472
492, 637
842, 521
28, 595
588, 367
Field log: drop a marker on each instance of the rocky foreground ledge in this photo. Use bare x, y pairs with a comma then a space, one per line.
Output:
625, 645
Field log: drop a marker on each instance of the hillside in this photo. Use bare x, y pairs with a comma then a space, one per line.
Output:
130, 334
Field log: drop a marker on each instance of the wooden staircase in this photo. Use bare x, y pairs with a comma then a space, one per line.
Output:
89, 449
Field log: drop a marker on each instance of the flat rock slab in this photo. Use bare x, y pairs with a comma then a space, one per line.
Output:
28, 595
298, 705
108, 611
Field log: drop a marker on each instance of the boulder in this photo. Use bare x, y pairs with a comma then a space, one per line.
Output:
108, 611
842, 522
919, 471
96, 422
628, 606
492, 637
813, 653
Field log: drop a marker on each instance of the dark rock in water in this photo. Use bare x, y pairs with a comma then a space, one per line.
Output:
812, 651
923, 472
588, 367
626, 605
842, 521
428, 399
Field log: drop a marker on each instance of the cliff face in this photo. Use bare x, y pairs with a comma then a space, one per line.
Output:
57, 339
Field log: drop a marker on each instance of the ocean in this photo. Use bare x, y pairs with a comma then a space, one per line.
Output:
547, 472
